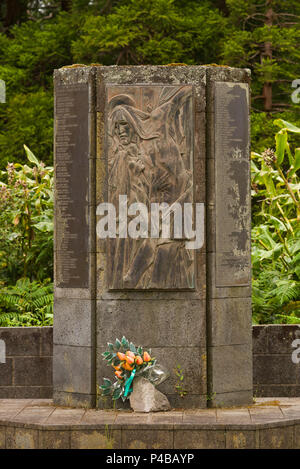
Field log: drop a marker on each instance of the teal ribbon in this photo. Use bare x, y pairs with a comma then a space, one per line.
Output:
128, 387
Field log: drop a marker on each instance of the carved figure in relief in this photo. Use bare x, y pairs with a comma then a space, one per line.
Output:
149, 161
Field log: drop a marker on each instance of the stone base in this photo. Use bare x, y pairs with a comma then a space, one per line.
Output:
38, 424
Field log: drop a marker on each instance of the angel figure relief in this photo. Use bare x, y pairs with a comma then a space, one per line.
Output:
149, 161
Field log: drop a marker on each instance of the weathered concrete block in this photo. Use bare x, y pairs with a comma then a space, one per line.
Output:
297, 437
275, 369
280, 339
178, 322
2, 437
230, 399
260, 339
6, 373
25, 438
230, 321
73, 322
7, 392
72, 369
147, 439
32, 371
229, 372
241, 439
96, 439
21, 341
28, 392
275, 438
46, 342
54, 439
10, 442
214, 291
199, 439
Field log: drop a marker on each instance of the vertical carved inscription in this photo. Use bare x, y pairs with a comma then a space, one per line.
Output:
150, 160
233, 212
71, 185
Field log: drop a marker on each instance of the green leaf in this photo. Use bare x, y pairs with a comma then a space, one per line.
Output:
31, 156
286, 125
117, 344
107, 382
296, 164
132, 347
125, 342
117, 393
108, 357
110, 346
281, 141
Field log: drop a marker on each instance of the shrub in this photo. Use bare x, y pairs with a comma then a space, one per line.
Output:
276, 231
26, 221
27, 304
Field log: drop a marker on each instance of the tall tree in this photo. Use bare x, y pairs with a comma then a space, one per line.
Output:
265, 36
13, 12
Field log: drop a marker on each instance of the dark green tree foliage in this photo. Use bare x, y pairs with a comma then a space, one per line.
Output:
157, 32
45, 34
29, 55
265, 37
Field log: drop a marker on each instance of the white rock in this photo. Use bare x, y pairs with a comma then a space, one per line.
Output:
146, 398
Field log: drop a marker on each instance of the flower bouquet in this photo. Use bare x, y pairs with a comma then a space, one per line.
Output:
129, 362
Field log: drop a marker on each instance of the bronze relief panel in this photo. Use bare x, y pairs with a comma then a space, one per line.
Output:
150, 161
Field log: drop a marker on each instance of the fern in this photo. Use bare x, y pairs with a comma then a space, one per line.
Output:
27, 304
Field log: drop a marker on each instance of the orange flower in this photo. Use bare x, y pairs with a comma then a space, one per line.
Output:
121, 356
119, 374
147, 357
130, 360
138, 360
116, 367
130, 354
126, 366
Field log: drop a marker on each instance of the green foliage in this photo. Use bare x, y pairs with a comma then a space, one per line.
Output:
179, 386
265, 37
28, 57
44, 35
26, 221
40, 36
276, 230
27, 304
27, 118
156, 32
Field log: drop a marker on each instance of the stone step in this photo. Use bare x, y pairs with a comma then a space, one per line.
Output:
38, 424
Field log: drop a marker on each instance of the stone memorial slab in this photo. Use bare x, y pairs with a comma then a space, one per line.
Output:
71, 185
150, 161
233, 211
129, 139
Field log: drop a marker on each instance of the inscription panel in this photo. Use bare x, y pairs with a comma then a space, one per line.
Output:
232, 178
150, 160
71, 185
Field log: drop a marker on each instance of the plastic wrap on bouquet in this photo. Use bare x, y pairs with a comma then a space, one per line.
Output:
130, 362
156, 374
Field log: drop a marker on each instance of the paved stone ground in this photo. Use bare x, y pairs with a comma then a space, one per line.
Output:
37, 423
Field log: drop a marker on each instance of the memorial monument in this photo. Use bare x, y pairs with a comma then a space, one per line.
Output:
152, 227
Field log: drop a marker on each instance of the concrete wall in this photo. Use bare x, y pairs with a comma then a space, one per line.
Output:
26, 362
276, 351
27, 371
